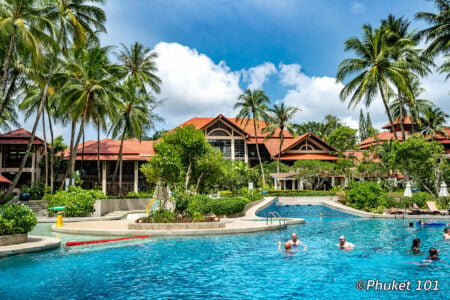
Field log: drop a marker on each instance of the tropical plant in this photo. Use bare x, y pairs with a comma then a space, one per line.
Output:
279, 119
77, 202
432, 121
136, 114
16, 219
375, 71
252, 105
438, 34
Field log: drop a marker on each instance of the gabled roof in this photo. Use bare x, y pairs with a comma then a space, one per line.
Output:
301, 138
3, 179
406, 121
19, 137
243, 125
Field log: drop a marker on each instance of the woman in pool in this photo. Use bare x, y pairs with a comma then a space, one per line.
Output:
415, 246
287, 247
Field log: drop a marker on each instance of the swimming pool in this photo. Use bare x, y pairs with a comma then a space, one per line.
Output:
236, 266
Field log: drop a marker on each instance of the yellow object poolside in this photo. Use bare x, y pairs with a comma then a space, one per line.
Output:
151, 205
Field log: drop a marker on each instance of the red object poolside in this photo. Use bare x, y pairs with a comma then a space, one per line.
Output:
80, 243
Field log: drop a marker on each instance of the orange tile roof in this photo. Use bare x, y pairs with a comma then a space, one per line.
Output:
3, 179
406, 121
19, 137
132, 148
302, 156
359, 156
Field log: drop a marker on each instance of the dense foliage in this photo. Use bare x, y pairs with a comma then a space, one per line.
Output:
16, 219
368, 196
78, 202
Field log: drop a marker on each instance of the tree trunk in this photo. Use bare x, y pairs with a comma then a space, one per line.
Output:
198, 182
52, 154
99, 179
259, 155
119, 162
279, 150
30, 142
388, 112
12, 42
9, 93
45, 147
69, 164
188, 177
402, 117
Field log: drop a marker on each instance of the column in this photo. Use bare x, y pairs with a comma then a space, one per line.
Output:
232, 145
245, 151
104, 177
136, 176
293, 184
275, 183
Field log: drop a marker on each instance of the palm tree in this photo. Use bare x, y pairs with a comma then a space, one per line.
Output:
375, 71
439, 32
139, 64
432, 121
26, 26
252, 105
402, 46
279, 118
91, 85
136, 116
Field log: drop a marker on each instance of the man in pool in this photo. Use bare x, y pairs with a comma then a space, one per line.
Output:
287, 247
446, 233
294, 241
344, 245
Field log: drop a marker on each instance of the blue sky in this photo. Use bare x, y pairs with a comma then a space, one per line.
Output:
212, 50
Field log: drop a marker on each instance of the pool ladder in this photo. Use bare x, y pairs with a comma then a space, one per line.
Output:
273, 214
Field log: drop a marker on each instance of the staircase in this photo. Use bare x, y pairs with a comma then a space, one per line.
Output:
39, 208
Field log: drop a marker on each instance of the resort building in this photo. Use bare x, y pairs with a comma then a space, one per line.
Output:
97, 161
12, 149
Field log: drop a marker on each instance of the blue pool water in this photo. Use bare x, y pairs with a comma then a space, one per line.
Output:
246, 266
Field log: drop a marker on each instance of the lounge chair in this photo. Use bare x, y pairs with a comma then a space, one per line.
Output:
434, 210
399, 211
416, 210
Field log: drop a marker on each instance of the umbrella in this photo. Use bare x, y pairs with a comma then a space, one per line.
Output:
408, 192
443, 192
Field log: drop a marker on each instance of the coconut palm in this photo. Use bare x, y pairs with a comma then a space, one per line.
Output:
135, 116
402, 48
139, 64
375, 71
279, 118
26, 26
432, 121
252, 105
439, 31
90, 83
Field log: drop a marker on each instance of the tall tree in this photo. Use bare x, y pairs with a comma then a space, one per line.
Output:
252, 105
375, 71
438, 34
139, 64
432, 121
279, 117
136, 115
402, 48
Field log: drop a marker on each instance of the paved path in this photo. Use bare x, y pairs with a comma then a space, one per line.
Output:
33, 244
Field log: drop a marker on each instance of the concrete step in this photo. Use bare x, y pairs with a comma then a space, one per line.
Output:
39, 208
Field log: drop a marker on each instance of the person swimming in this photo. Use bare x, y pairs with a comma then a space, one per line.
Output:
446, 233
294, 241
344, 245
287, 247
415, 246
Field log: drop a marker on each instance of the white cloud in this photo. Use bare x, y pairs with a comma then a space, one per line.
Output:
357, 7
193, 84
258, 75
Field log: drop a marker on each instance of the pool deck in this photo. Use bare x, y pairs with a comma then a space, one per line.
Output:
33, 244
250, 222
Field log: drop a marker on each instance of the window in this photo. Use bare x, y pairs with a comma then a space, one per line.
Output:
219, 125
218, 132
239, 148
223, 146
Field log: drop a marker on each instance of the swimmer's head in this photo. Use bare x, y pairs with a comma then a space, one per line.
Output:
446, 229
287, 246
416, 243
294, 236
434, 251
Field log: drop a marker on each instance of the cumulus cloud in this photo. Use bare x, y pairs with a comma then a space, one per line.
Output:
258, 75
193, 85
319, 96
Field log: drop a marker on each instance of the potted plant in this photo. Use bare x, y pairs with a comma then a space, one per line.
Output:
15, 223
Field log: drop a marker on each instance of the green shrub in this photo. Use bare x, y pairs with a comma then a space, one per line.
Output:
135, 195
200, 204
160, 216
227, 206
420, 198
78, 202
444, 202
366, 195
226, 193
16, 219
